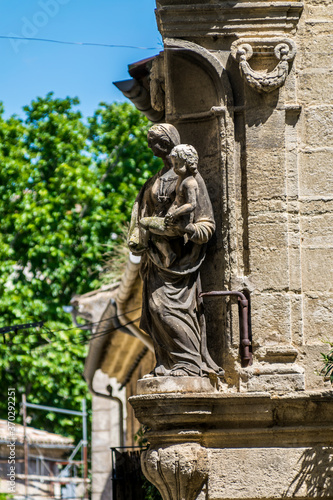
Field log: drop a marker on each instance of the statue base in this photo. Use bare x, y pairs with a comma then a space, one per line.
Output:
179, 385
232, 446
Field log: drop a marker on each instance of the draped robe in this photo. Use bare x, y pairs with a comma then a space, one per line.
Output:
172, 312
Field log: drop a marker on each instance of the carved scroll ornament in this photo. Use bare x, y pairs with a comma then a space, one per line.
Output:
283, 50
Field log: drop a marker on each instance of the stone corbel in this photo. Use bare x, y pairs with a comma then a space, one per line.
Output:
178, 471
284, 50
157, 83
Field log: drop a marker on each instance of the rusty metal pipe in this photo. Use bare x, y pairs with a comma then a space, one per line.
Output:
246, 354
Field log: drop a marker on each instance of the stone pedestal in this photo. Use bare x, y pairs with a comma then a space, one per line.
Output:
216, 445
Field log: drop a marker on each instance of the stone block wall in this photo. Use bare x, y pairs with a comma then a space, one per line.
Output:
315, 157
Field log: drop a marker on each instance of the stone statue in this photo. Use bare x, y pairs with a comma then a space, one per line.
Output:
172, 220
179, 218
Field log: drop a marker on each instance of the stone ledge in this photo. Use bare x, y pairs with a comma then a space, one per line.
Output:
247, 438
219, 411
177, 18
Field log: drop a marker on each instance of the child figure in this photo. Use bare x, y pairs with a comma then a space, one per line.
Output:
179, 219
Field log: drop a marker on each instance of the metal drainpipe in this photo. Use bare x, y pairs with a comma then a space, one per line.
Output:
122, 323
124, 291
246, 354
120, 404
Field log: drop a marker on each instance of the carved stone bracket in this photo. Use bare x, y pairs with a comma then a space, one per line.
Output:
178, 471
284, 50
157, 83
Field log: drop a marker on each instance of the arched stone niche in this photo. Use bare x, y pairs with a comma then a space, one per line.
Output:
199, 103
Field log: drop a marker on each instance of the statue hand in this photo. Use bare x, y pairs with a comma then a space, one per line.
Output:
134, 243
136, 248
169, 220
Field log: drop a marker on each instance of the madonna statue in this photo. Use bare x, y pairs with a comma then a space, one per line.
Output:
172, 220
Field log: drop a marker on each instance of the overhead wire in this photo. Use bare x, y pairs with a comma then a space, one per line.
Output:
81, 339
98, 334
66, 42
95, 335
92, 324
87, 326
94, 44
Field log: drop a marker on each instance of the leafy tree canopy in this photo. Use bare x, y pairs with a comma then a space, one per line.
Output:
66, 190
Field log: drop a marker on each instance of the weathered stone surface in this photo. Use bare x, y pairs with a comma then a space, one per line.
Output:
317, 231
310, 92
187, 415
190, 19
310, 357
179, 471
316, 177
317, 269
271, 319
271, 473
181, 385
318, 125
311, 54
318, 317
274, 377
283, 50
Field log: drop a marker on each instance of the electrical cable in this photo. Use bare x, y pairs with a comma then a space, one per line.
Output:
64, 42
92, 324
105, 332
96, 323
80, 340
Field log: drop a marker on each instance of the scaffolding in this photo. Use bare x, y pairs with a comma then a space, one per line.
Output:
63, 476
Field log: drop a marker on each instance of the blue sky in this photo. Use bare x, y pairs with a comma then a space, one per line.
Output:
30, 69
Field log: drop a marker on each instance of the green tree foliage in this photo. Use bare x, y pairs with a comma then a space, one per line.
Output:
67, 188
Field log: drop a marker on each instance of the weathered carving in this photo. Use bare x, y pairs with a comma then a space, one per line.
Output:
179, 471
172, 220
283, 50
180, 216
157, 83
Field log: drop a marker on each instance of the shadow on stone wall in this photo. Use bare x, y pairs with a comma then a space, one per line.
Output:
107, 492
316, 474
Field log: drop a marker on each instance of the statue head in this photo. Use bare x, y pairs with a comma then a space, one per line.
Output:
188, 156
162, 138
